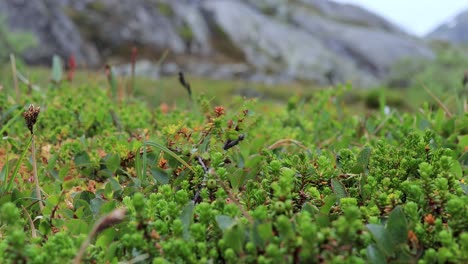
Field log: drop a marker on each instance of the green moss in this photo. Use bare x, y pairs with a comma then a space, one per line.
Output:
185, 32
165, 9
223, 43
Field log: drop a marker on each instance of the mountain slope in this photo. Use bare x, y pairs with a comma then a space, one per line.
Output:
311, 40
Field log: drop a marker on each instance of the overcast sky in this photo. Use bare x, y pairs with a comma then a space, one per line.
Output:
415, 16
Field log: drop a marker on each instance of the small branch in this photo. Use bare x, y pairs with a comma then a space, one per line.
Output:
52, 215
439, 102
286, 142
205, 170
31, 223
232, 197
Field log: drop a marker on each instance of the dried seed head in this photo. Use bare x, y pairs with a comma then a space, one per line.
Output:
31, 115
113, 218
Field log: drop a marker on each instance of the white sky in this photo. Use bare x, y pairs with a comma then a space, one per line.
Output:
415, 16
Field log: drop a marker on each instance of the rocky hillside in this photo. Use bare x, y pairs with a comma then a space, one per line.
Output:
454, 31
310, 40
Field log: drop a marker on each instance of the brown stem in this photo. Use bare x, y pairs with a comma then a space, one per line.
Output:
106, 221
36, 178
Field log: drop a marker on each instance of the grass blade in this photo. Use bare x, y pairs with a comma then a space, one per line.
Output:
18, 163
141, 162
8, 124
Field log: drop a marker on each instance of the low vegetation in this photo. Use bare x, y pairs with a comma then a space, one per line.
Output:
96, 175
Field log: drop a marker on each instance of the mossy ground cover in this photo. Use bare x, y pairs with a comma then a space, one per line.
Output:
224, 179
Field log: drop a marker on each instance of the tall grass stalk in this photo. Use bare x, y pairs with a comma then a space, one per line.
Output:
141, 162
15, 77
7, 188
36, 178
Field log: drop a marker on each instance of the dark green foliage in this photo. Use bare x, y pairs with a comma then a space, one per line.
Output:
309, 183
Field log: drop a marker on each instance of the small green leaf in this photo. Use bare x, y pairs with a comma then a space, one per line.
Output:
160, 175
82, 159
224, 222
381, 238
310, 208
363, 161
328, 203
397, 226
323, 219
187, 217
234, 237
339, 189
77, 226
464, 188
112, 162
105, 237
262, 233
375, 256
457, 170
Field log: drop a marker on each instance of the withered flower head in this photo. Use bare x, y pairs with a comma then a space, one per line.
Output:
31, 115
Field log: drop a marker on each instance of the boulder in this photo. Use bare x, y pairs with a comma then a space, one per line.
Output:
276, 40
54, 31
272, 46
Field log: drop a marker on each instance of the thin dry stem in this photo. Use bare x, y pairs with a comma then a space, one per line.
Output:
36, 178
105, 222
31, 223
232, 197
15, 77
439, 102
286, 142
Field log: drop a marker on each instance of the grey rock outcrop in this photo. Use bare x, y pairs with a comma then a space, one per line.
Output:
311, 40
55, 32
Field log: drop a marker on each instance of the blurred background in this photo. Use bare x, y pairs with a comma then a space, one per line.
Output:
255, 48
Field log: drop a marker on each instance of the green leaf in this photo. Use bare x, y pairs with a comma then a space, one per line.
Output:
328, 203
225, 222
464, 159
105, 237
160, 175
339, 189
234, 237
463, 140
397, 226
363, 161
457, 169
310, 208
464, 188
113, 162
379, 233
82, 160
375, 256
187, 217
262, 234
95, 205
77, 226
323, 219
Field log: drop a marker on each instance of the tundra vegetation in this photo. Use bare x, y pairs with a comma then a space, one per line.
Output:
90, 173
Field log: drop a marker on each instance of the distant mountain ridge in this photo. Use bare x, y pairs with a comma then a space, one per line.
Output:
455, 30
311, 40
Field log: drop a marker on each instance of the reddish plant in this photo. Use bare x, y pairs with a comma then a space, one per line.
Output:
71, 68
